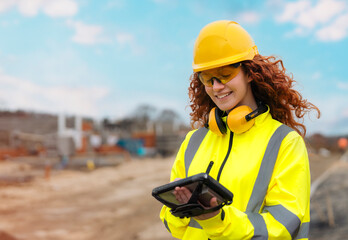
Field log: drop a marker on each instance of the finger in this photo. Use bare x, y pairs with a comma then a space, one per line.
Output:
214, 202
177, 197
182, 196
177, 194
187, 193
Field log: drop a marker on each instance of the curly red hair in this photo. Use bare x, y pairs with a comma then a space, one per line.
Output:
270, 84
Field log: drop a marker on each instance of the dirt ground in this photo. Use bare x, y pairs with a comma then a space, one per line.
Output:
115, 202
106, 203
329, 205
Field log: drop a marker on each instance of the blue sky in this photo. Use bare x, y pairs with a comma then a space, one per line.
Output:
104, 58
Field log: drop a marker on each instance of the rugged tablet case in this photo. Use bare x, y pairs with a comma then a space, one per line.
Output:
211, 187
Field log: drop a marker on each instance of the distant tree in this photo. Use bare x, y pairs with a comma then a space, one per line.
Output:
318, 141
168, 115
142, 116
144, 113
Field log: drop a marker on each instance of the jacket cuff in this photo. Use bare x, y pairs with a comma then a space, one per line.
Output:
213, 223
233, 222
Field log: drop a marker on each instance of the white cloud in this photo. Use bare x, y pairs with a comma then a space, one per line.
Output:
52, 8
87, 34
115, 4
61, 8
29, 8
128, 40
333, 109
305, 15
326, 19
316, 75
345, 112
93, 34
5, 5
274, 4
249, 17
326, 10
342, 85
125, 38
334, 31
22, 94
292, 10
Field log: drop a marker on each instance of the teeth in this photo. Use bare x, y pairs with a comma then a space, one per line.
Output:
222, 96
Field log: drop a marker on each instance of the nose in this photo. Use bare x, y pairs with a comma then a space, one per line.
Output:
217, 85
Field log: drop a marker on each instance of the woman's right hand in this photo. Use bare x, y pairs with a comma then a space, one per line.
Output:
182, 194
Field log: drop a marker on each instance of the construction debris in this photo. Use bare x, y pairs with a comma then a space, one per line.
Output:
329, 205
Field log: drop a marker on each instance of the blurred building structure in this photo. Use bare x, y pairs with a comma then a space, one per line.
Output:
27, 133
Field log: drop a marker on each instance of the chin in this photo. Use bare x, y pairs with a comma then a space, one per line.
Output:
225, 109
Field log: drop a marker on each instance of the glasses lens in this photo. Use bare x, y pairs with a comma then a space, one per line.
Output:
223, 74
206, 79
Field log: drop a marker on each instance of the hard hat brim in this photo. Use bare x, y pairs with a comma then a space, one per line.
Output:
249, 55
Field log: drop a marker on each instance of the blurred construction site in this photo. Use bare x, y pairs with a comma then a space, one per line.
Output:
69, 177
73, 137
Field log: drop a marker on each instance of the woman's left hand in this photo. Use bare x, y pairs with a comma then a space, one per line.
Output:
213, 203
183, 195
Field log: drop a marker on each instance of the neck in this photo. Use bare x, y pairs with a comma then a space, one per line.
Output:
249, 100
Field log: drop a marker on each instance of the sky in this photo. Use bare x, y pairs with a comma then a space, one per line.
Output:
105, 58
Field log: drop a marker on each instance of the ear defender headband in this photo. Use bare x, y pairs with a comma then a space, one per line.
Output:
239, 120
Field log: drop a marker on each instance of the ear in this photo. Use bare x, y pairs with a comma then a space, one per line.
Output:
246, 76
249, 79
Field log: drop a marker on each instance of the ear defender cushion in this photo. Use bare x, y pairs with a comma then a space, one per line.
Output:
236, 119
216, 125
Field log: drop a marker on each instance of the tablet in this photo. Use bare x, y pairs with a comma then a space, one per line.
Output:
207, 188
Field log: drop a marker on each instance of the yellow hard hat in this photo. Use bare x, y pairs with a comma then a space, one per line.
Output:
221, 43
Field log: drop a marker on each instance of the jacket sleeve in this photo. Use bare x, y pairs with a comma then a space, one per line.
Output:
175, 225
285, 210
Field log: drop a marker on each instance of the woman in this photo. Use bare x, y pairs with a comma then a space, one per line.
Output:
248, 114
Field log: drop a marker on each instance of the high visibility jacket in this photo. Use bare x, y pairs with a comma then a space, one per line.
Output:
267, 170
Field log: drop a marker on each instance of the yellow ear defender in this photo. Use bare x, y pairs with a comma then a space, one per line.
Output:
239, 120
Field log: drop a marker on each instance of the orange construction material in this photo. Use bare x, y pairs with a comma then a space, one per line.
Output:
6, 153
48, 172
342, 143
149, 139
106, 150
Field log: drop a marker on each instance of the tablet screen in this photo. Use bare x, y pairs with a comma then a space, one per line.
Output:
203, 198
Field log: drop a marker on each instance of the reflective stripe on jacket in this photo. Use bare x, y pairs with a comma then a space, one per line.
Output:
267, 170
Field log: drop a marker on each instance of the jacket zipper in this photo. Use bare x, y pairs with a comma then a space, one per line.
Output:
227, 155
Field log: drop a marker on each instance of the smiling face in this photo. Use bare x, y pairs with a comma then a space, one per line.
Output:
234, 93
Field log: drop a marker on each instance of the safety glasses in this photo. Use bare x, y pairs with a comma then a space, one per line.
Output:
221, 74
